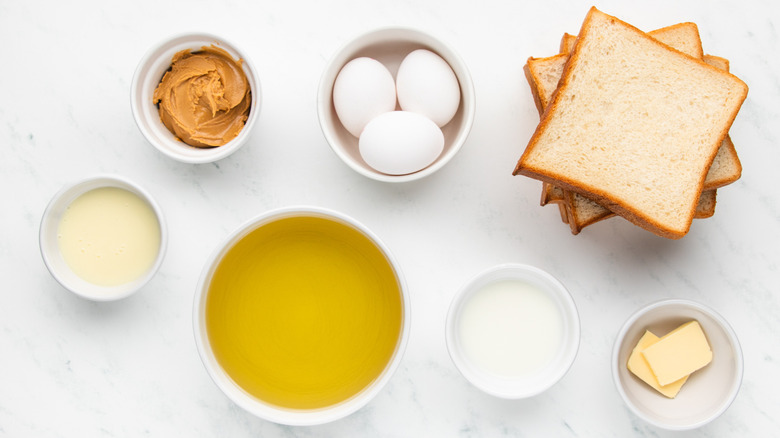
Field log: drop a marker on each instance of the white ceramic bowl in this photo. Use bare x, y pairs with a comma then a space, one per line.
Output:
147, 76
49, 246
516, 387
253, 404
706, 394
389, 46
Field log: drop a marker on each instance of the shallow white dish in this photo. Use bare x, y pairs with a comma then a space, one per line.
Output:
49, 246
389, 46
706, 394
520, 387
259, 407
147, 76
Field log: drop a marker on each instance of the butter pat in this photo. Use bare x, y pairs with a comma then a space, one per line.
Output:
679, 353
638, 365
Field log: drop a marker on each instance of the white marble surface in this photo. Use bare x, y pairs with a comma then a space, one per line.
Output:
69, 367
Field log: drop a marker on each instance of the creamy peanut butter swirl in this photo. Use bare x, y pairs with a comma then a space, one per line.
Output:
204, 98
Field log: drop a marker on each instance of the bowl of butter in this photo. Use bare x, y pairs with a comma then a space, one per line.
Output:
677, 364
103, 237
195, 97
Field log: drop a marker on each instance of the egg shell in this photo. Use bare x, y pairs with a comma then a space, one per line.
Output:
400, 142
426, 84
363, 89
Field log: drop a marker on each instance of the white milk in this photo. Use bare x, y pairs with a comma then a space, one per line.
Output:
510, 329
109, 236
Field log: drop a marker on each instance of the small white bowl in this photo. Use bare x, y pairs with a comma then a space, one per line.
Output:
261, 408
389, 46
525, 386
50, 250
706, 394
147, 76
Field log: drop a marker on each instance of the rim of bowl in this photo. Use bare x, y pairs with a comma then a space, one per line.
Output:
58, 268
565, 357
727, 329
276, 414
443, 49
146, 114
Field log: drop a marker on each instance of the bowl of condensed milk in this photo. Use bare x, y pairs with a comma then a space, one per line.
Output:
513, 331
103, 238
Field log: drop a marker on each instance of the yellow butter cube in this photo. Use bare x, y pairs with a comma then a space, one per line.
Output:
679, 353
638, 365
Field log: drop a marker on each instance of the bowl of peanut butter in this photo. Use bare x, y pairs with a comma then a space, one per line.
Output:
195, 97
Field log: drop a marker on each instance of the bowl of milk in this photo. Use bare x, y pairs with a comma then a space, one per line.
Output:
513, 331
103, 237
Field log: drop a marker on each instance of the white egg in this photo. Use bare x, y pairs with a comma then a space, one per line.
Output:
363, 89
400, 142
427, 85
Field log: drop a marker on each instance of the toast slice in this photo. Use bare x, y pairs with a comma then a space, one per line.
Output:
634, 125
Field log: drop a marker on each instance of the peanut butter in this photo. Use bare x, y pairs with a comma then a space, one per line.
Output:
204, 98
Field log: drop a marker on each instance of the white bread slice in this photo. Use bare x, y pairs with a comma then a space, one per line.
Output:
682, 36
706, 206
551, 194
578, 211
567, 43
543, 75
634, 125
546, 72
726, 167
554, 195
582, 211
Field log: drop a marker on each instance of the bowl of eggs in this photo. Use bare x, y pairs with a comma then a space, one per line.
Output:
396, 104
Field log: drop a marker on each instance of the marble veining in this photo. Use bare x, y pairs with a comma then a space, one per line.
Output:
70, 367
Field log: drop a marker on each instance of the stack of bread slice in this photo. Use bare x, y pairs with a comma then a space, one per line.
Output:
632, 124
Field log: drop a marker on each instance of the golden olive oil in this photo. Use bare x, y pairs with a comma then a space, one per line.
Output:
304, 312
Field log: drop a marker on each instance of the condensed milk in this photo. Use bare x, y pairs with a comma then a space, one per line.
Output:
109, 236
